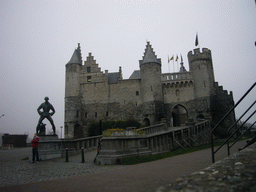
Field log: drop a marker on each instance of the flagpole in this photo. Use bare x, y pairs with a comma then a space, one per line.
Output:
173, 65
177, 58
169, 64
177, 65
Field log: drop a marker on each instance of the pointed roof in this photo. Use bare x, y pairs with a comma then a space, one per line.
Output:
135, 75
182, 68
149, 55
76, 57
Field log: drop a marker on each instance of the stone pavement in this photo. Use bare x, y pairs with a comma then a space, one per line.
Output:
15, 171
57, 175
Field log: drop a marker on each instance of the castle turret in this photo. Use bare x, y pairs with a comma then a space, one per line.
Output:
72, 93
150, 70
200, 64
151, 85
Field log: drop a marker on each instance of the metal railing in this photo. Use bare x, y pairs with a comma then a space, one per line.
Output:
231, 127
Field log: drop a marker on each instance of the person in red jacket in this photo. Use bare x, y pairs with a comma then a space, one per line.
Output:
35, 142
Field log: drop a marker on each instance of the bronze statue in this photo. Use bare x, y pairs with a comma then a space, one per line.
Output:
47, 107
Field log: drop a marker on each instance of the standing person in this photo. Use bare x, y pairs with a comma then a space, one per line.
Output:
35, 142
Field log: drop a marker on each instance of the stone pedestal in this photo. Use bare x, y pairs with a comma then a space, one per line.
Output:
48, 137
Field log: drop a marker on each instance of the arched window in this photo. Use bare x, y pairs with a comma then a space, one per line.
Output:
177, 92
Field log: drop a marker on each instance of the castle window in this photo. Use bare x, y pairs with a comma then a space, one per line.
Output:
85, 115
88, 69
96, 114
89, 78
77, 113
151, 88
107, 113
177, 92
137, 93
66, 129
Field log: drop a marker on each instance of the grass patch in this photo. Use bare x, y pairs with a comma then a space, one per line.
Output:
143, 159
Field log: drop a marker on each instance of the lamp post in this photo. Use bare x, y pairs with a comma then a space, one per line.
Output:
61, 131
1, 115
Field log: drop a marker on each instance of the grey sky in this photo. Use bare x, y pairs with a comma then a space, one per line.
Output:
38, 38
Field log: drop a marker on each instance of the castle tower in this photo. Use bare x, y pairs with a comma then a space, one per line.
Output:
72, 93
151, 85
200, 64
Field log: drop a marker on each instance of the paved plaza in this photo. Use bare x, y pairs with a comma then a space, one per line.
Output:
16, 171
58, 175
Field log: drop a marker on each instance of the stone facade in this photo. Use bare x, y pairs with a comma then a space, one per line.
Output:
148, 96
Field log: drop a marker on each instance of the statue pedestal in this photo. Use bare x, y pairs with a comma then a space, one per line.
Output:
48, 137
49, 147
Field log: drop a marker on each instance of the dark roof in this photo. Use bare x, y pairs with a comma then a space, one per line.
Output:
135, 75
75, 58
113, 78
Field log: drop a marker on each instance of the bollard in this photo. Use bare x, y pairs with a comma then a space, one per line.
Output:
66, 154
82, 155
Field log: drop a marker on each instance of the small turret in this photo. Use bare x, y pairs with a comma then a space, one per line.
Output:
197, 55
201, 63
150, 70
182, 68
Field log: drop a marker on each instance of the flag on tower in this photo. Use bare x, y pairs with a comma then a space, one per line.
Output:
177, 58
170, 59
196, 43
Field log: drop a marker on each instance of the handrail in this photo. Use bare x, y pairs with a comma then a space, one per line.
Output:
217, 125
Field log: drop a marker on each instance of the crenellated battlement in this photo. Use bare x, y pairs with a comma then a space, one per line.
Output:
197, 55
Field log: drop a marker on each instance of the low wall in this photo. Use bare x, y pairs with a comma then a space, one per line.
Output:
50, 147
156, 139
234, 173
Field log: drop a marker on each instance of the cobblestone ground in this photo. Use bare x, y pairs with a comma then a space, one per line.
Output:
15, 171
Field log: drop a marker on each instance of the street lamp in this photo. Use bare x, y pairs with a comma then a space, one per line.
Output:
1, 115
61, 131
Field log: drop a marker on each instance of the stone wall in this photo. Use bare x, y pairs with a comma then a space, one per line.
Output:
156, 139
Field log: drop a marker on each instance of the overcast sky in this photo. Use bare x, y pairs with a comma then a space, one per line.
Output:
38, 38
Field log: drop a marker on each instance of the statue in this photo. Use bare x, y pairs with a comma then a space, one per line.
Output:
47, 107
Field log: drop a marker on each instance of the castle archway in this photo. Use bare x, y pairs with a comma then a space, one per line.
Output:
179, 115
146, 122
78, 131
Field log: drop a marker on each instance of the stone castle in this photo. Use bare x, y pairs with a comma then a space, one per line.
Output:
148, 96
